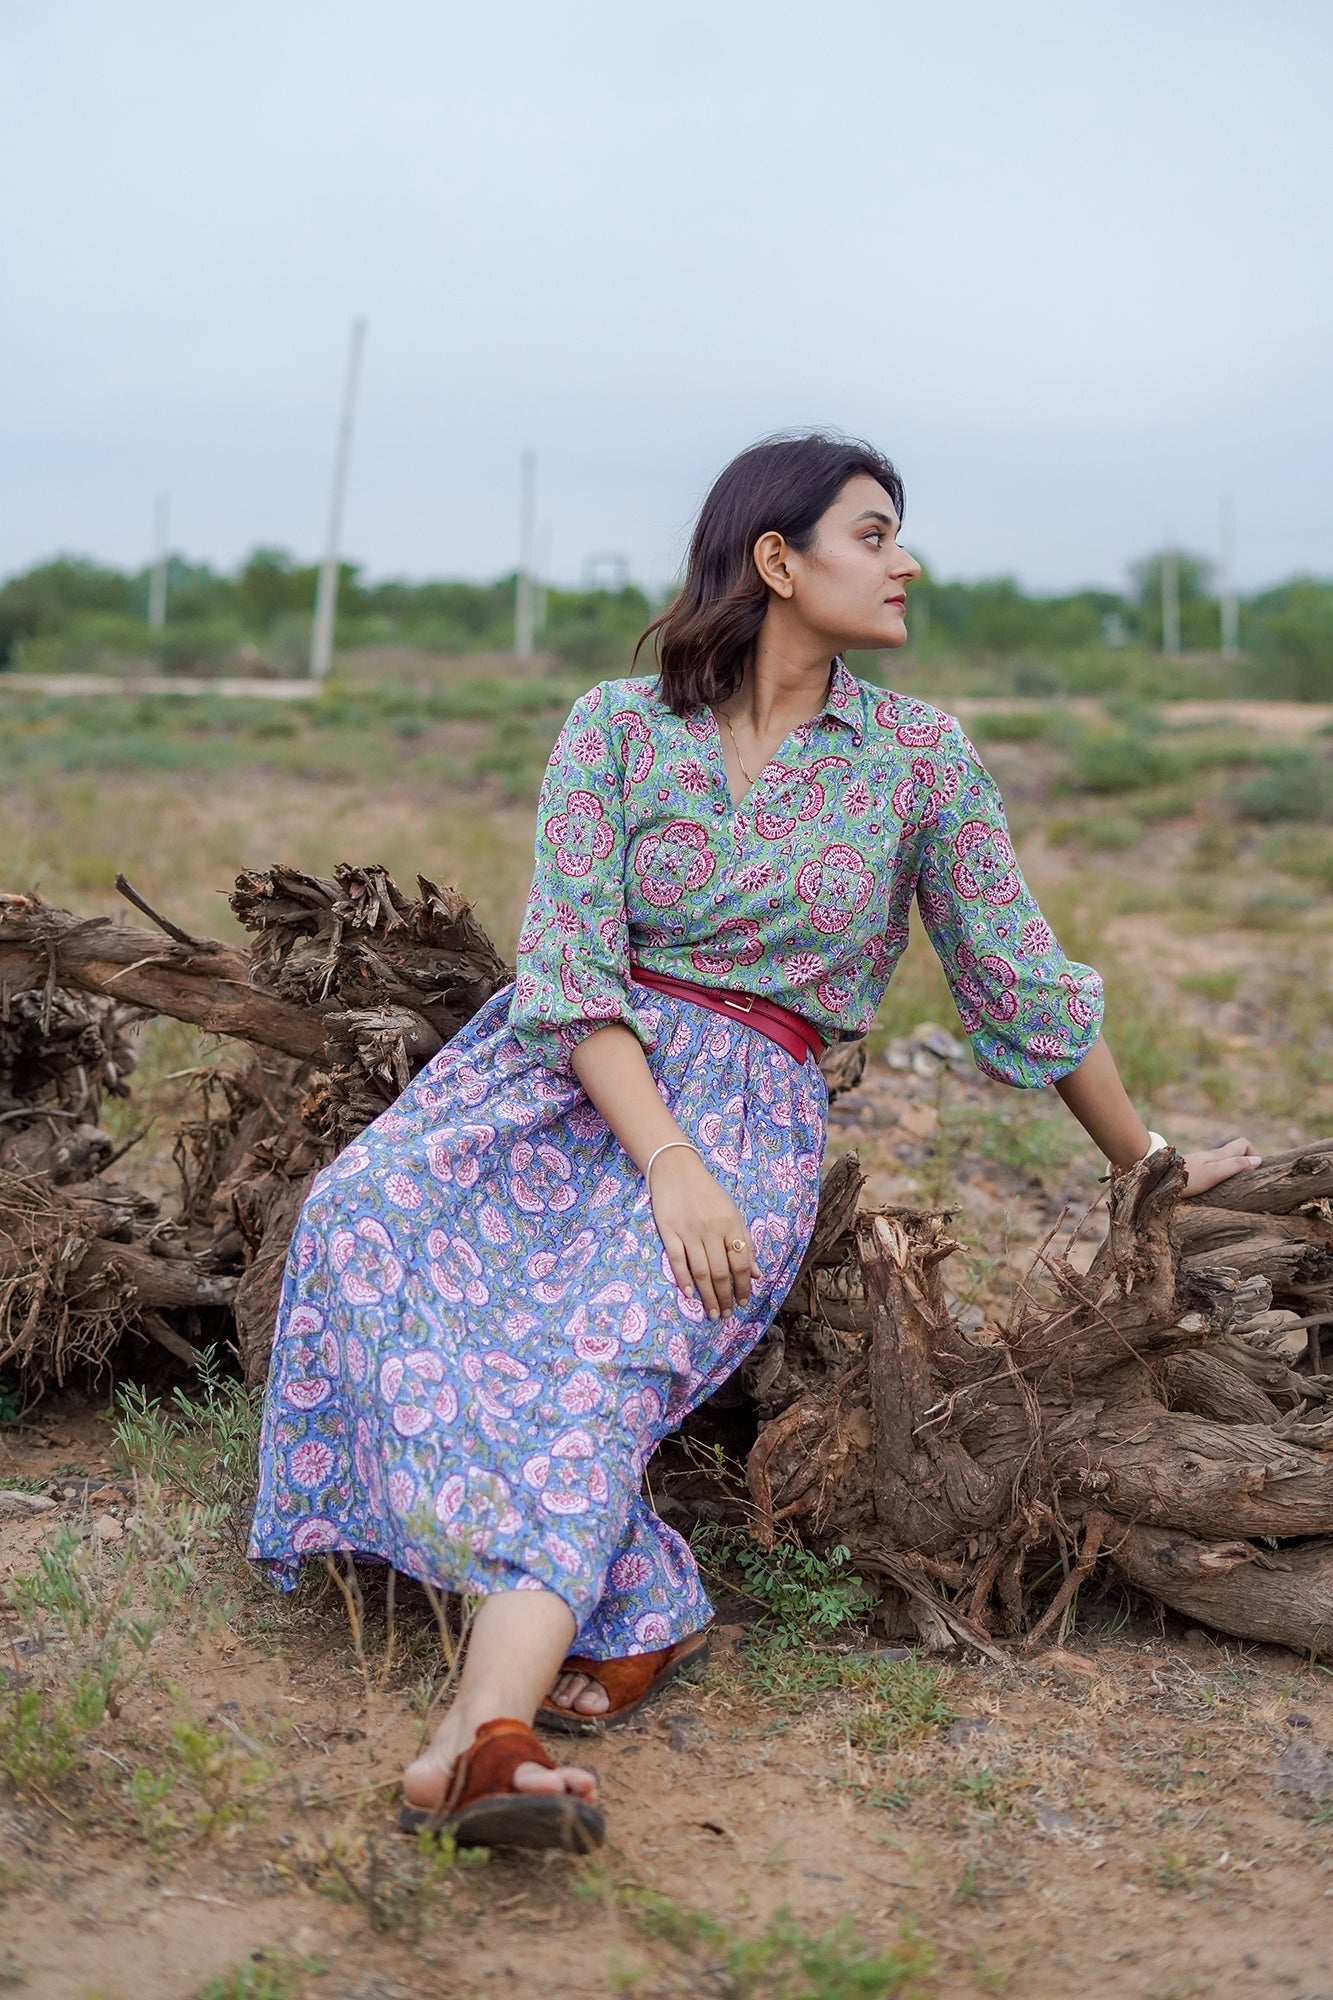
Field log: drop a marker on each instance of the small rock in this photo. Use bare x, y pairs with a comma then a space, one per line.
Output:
968, 1726
107, 1528
726, 1639
1051, 1820
919, 1121
681, 1734
21, 1504
1299, 1722
1304, 1779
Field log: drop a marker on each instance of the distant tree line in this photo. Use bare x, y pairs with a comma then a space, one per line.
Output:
73, 613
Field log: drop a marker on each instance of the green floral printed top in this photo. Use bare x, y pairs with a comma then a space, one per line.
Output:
802, 893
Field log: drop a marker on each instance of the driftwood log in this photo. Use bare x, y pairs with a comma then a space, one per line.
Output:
1160, 1410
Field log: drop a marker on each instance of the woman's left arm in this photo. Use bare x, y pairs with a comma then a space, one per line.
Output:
1098, 1099
1033, 1015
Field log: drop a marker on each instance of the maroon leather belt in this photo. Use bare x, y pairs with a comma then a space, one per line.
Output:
781, 1024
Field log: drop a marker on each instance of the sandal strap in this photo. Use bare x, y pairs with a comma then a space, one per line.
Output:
628, 1678
486, 1768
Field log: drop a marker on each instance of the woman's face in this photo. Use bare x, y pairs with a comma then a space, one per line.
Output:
850, 585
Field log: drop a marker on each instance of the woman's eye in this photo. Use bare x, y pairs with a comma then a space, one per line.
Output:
876, 536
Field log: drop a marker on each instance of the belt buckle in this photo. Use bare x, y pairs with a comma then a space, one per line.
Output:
742, 1006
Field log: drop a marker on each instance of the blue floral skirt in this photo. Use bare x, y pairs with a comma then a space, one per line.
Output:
481, 1344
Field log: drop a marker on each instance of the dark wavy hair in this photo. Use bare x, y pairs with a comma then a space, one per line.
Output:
782, 486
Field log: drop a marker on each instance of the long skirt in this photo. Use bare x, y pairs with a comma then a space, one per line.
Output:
480, 1342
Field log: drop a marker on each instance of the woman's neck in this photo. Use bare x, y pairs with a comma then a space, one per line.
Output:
785, 682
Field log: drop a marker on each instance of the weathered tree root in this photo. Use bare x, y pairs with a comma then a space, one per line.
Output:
1154, 1413
1111, 1409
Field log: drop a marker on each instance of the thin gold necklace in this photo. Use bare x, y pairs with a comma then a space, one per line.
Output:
736, 746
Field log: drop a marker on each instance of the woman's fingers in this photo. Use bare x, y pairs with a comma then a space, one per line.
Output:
680, 1269
702, 1274
1219, 1163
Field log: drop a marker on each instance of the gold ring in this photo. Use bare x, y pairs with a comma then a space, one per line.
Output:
737, 1243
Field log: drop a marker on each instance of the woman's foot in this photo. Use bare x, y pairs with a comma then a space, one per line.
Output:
580, 1694
426, 1780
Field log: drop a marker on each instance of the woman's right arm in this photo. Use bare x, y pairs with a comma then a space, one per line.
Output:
695, 1215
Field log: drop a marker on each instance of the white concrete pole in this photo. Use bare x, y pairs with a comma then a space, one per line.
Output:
525, 605
157, 582
1170, 601
1228, 603
326, 594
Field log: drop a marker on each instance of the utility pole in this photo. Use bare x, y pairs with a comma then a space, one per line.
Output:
525, 602
1228, 605
326, 594
157, 581
1170, 599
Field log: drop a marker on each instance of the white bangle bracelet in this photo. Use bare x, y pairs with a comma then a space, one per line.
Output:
687, 1143
1156, 1144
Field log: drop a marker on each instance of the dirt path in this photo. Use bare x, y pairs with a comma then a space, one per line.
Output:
1100, 1822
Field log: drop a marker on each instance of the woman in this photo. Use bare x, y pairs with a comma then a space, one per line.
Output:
584, 1212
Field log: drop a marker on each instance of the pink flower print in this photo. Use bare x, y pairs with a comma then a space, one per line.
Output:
354, 1159
985, 864
599, 1486
589, 748
573, 1444
692, 777
455, 1270
444, 1403
596, 1346
561, 1552
680, 1039
837, 887
402, 1491
494, 1224
639, 759
304, 1323
358, 1361
471, 1366
581, 1393
307, 1393
581, 835
773, 826
738, 942
1077, 1008
402, 1191
539, 1178
449, 1498
1049, 1047
525, 986
310, 1464
425, 1364
363, 1258
709, 1129
1036, 938
652, 1631
617, 1293
607, 1189
802, 968
537, 1470
559, 1500
678, 1353
920, 735
856, 799
752, 876
630, 1572
673, 862
410, 1419
314, 1535
833, 996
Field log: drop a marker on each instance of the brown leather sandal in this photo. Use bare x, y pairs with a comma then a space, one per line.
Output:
629, 1682
481, 1808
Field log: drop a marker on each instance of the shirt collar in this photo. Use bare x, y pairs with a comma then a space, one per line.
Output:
845, 705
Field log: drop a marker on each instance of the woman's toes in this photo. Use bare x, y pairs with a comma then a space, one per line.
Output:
592, 1698
424, 1780
569, 1778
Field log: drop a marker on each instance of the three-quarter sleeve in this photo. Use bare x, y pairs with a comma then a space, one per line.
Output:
1030, 1013
573, 951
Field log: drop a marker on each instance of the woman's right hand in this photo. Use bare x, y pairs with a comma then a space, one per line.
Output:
699, 1223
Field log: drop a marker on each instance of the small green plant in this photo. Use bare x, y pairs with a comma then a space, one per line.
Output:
802, 1593
785, 1962
1298, 785
223, 1774
202, 1441
1216, 986
266, 1975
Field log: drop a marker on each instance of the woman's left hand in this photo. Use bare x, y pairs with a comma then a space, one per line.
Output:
1219, 1163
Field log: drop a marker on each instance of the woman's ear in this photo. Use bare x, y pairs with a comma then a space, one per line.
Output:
770, 559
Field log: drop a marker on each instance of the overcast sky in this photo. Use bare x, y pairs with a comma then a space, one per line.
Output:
1070, 265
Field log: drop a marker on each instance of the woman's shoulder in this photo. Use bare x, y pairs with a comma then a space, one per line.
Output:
910, 722
618, 700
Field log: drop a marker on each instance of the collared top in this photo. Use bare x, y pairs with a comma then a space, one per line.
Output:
802, 893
